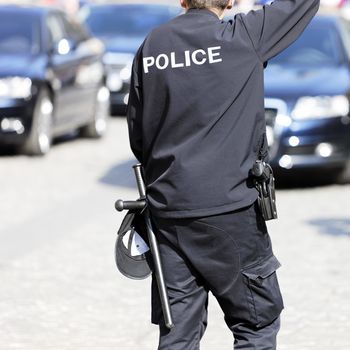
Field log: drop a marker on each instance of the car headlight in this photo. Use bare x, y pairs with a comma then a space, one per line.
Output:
15, 87
125, 73
116, 78
114, 82
321, 107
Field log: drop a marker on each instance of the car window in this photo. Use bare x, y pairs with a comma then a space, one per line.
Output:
19, 34
74, 30
55, 27
110, 20
318, 45
345, 28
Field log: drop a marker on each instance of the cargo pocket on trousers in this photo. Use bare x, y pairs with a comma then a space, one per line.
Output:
263, 292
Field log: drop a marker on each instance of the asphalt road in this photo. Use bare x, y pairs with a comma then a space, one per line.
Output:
60, 288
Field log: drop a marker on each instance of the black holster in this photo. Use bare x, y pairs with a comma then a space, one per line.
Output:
264, 182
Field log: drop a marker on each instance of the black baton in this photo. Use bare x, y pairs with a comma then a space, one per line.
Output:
141, 205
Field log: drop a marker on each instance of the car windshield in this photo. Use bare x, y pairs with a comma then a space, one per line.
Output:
19, 34
127, 20
318, 45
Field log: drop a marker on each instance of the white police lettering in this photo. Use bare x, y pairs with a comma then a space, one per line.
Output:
195, 59
188, 58
198, 57
148, 62
165, 60
173, 61
212, 54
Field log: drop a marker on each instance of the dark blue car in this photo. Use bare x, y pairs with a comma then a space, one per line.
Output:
123, 28
307, 99
51, 79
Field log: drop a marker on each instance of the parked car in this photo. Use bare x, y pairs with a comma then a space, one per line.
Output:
307, 99
122, 28
325, 3
51, 79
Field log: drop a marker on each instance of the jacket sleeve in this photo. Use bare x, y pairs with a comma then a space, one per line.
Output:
135, 108
276, 26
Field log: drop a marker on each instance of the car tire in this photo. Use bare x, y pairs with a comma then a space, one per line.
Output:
39, 139
97, 127
343, 176
118, 111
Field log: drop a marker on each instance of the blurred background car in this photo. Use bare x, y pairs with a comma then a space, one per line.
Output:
307, 89
51, 79
123, 28
324, 3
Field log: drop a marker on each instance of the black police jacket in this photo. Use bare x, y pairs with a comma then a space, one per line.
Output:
196, 105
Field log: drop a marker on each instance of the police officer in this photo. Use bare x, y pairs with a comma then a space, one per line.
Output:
196, 123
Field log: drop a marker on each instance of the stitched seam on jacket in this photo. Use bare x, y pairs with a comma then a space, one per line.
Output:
251, 41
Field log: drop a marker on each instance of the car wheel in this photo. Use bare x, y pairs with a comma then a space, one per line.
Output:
98, 125
119, 111
40, 137
343, 176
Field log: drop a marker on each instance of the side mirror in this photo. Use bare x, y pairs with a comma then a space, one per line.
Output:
64, 47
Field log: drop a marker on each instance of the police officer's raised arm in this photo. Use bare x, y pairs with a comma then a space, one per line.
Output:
135, 107
274, 27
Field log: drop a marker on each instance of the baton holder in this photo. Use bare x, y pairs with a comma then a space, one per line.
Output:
141, 205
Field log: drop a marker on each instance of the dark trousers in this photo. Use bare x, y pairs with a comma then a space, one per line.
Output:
231, 256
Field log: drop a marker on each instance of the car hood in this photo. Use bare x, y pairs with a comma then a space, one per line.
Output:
125, 44
22, 65
292, 82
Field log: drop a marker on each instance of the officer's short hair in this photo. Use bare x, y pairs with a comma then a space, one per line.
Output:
201, 4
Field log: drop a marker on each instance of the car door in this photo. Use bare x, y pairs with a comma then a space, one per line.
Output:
63, 66
89, 68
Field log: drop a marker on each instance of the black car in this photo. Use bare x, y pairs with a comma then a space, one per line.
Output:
51, 79
122, 28
307, 99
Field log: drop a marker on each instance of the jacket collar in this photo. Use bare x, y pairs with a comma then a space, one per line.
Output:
202, 12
